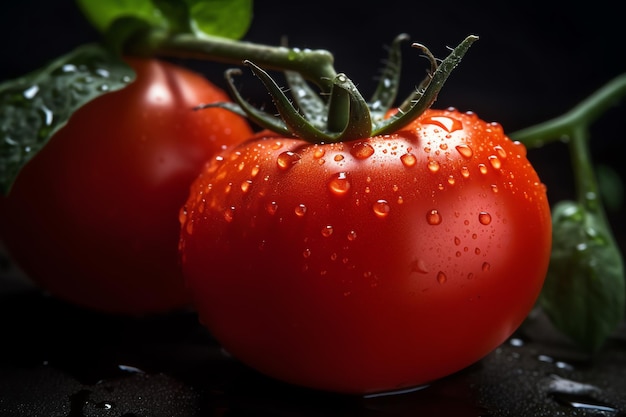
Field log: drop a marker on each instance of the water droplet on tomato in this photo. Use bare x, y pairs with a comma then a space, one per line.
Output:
245, 186
457, 241
433, 217
495, 162
451, 180
470, 276
408, 160
441, 277
381, 208
419, 265
306, 253
486, 266
300, 210
494, 188
255, 171
287, 159
500, 151
351, 235
362, 150
449, 124
484, 218
433, 166
339, 184
319, 152
271, 207
327, 231
338, 157
229, 214
465, 172
465, 150
520, 148
482, 168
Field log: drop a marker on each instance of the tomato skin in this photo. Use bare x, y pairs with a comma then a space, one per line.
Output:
92, 218
372, 265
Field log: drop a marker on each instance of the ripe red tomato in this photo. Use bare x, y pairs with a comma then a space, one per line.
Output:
370, 265
92, 218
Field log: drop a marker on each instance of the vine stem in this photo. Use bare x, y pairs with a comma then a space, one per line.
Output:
583, 114
573, 127
316, 65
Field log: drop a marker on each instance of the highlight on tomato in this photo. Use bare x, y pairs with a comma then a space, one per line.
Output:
362, 250
92, 218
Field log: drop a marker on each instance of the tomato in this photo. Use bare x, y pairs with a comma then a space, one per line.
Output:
92, 218
370, 265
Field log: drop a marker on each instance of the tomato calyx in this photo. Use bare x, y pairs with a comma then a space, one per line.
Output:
345, 115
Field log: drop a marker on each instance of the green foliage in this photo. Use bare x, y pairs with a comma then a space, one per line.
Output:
35, 106
584, 292
223, 18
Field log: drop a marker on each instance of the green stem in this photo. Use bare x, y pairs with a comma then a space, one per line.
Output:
314, 65
583, 114
573, 126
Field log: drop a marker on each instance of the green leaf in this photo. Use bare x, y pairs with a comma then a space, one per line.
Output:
34, 107
103, 13
584, 293
225, 18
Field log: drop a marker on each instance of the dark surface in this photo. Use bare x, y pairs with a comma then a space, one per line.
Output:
60, 361
534, 61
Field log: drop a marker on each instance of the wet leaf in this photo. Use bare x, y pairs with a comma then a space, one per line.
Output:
35, 106
584, 293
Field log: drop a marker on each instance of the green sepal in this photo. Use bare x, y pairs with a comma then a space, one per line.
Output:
384, 96
34, 107
584, 292
423, 98
309, 103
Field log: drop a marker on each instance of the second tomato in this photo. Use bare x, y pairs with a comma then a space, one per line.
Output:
92, 218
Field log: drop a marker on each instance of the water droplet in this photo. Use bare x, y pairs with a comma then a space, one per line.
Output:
286, 159
339, 184
495, 162
306, 253
470, 276
494, 188
486, 266
245, 186
484, 218
338, 157
351, 235
465, 172
433, 217
441, 277
300, 210
319, 152
31, 92
362, 150
255, 171
465, 150
520, 147
449, 124
229, 214
477, 251
500, 151
451, 180
517, 342
271, 207
433, 166
327, 231
482, 168
408, 160
381, 208
457, 241
418, 265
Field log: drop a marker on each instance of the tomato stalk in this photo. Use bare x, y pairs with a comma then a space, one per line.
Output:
315, 65
584, 293
346, 115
